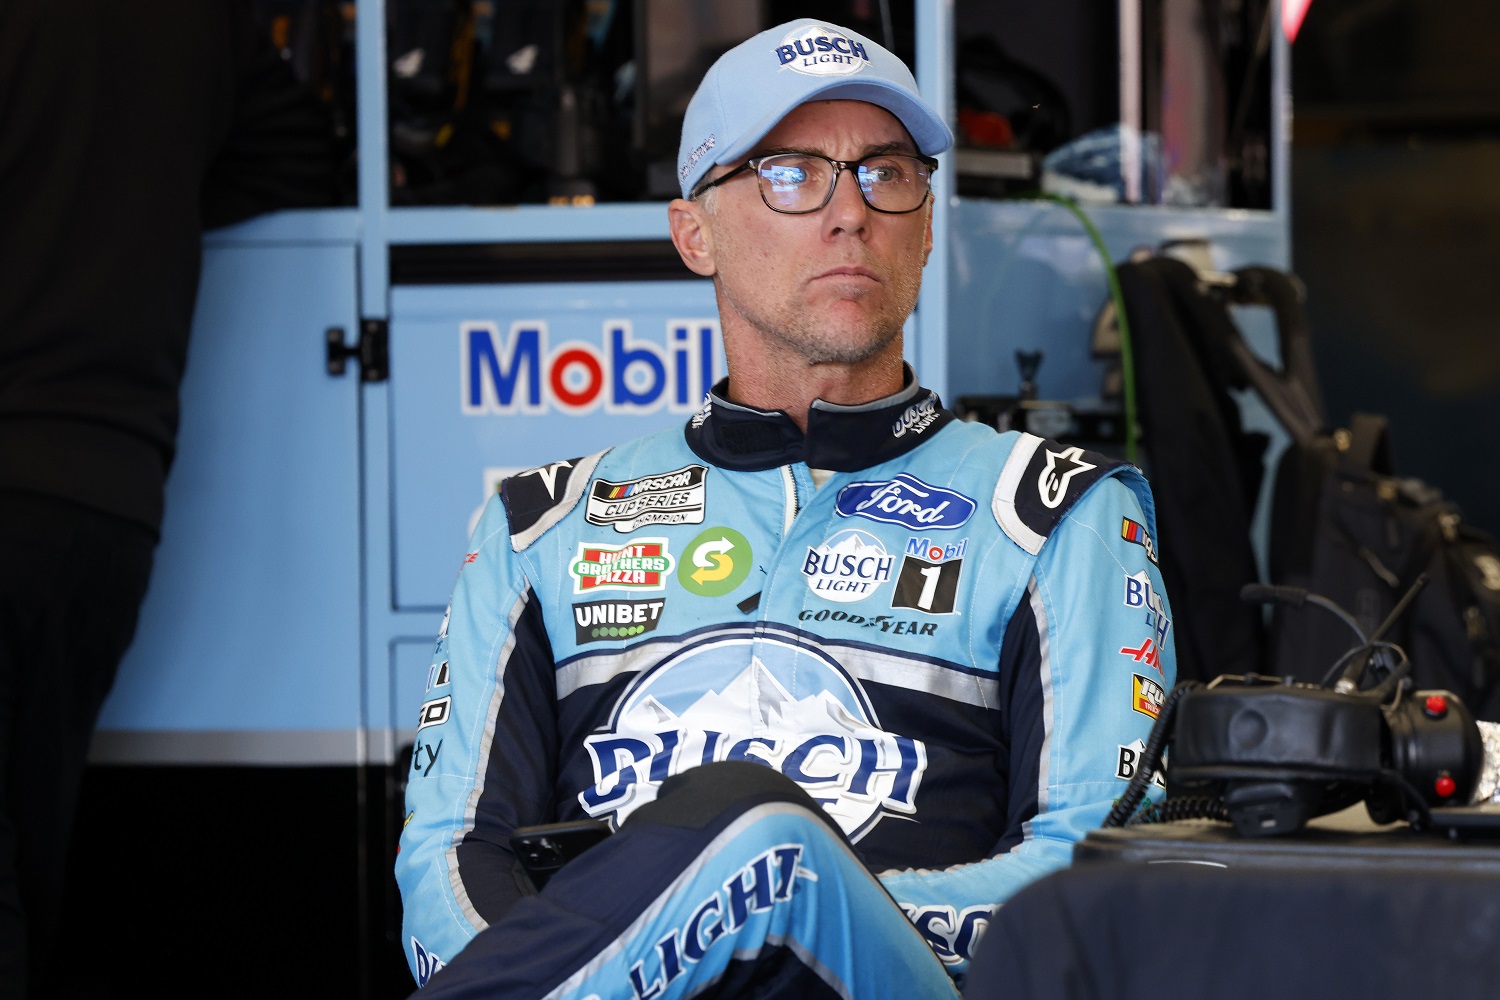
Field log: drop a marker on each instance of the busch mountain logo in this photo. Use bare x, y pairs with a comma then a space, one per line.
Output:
722, 699
643, 564
848, 567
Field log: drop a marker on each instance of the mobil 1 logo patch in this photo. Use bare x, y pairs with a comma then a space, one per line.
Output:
906, 501
928, 580
598, 621
674, 497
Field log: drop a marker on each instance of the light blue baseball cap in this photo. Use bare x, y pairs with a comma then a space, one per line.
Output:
752, 87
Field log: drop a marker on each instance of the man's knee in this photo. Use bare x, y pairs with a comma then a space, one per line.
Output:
713, 794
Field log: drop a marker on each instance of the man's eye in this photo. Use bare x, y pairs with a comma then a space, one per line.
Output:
784, 175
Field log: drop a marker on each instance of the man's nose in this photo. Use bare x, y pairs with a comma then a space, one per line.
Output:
847, 211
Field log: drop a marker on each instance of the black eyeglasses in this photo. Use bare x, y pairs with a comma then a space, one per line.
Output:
799, 183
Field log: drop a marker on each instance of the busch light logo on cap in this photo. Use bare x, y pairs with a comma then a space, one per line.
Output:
819, 51
908, 501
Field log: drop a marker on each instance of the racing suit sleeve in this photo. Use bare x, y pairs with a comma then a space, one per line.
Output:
1072, 703
484, 757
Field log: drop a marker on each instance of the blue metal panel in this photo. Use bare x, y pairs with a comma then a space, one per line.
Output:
1025, 276
252, 619
409, 663
529, 223
294, 227
492, 379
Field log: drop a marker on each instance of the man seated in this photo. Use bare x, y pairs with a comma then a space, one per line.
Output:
842, 671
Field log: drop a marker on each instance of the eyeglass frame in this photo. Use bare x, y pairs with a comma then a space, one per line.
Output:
839, 166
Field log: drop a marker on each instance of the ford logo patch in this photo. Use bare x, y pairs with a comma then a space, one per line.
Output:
908, 501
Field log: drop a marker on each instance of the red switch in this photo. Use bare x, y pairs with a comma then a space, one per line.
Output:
1436, 706
1445, 786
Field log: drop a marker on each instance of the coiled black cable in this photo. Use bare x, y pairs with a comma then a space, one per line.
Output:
1172, 810
1150, 760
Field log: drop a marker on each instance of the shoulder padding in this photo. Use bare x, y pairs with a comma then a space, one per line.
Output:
1041, 480
538, 498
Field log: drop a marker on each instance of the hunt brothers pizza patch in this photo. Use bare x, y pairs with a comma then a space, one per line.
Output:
643, 564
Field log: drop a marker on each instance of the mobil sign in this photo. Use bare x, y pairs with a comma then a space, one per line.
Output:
520, 370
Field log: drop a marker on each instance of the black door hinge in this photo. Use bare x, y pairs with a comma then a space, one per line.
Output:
373, 351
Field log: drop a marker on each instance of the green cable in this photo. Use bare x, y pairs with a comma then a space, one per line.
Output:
1127, 363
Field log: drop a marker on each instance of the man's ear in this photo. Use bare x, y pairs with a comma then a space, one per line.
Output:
692, 235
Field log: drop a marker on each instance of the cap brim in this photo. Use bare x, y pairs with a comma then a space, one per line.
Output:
928, 131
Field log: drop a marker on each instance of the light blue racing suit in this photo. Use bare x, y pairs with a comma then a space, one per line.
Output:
957, 645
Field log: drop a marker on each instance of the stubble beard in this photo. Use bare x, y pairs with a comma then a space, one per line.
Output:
816, 337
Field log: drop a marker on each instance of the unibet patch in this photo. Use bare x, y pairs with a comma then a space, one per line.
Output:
600, 621
717, 561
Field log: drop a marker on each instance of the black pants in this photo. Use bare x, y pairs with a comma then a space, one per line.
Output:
71, 584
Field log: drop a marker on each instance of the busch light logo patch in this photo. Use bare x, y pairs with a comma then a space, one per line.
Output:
739, 695
643, 564
1140, 594
595, 621
906, 501
1129, 762
819, 51
1146, 695
848, 567
426, 962
671, 498
1061, 467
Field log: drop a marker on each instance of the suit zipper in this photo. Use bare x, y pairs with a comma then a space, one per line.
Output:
789, 481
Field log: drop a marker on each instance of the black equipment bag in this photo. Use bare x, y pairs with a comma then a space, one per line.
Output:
1342, 524
1205, 469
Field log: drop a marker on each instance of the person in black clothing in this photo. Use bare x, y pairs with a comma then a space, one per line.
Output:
125, 131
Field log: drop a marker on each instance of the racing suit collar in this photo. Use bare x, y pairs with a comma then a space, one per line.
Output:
839, 437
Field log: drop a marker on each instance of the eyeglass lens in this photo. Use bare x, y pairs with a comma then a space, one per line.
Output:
797, 182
